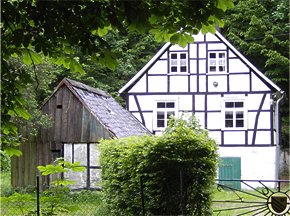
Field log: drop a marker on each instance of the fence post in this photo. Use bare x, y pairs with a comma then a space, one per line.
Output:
181, 191
37, 196
142, 195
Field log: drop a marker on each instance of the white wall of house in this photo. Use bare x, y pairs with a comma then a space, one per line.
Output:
257, 163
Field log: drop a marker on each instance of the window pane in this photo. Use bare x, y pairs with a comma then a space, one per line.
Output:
169, 114
183, 69
239, 104
222, 68
160, 115
229, 115
160, 104
182, 62
212, 62
229, 104
170, 105
240, 115
183, 56
222, 55
160, 123
212, 68
221, 62
239, 123
173, 69
173, 56
212, 55
229, 123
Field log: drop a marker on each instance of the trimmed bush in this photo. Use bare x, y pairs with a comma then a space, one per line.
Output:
178, 171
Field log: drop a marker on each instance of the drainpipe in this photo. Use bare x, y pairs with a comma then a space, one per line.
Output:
279, 96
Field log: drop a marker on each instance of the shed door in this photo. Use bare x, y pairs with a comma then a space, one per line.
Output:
230, 168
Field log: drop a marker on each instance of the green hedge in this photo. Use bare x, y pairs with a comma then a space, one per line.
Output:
178, 171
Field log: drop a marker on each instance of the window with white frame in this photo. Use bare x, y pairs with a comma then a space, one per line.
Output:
234, 115
164, 109
217, 61
178, 62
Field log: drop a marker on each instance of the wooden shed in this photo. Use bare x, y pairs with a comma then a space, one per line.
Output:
81, 116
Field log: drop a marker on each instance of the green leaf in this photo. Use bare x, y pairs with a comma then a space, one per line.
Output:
108, 59
76, 67
26, 58
21, 112
10, 151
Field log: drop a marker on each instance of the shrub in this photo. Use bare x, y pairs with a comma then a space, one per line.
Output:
178, 171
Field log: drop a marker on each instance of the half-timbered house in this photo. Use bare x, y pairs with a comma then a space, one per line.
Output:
230, 97
80, 116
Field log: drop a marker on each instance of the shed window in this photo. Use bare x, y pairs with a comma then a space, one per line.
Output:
178, 62
217, 61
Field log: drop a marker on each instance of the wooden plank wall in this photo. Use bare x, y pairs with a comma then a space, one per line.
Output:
23, 168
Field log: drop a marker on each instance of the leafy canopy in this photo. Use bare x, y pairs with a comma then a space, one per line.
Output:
36, 30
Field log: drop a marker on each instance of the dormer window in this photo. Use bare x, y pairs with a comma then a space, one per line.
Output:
217, 62
178, 62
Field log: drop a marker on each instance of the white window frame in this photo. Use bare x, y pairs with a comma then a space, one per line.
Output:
178, 62
235, 109
217, 62
165, 110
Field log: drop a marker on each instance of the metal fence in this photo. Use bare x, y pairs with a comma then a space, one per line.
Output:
252, 197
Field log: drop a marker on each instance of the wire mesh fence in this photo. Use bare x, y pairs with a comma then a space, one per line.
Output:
65, 203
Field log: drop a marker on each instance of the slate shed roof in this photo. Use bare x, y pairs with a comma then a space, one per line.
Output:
107, 110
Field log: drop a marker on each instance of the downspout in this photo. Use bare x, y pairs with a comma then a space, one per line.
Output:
280, 95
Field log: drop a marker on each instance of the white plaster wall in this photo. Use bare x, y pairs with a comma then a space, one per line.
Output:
263, 121
214, 102
202, 51
221, 83
234, 137
132, 103
160, 67
202, 66
199, 37
146, 102
262, 137
214, 120
193, 50
157, 83
140, 86
257, 163
239, 82
193, 66
193, 84
199, 102
211, 37
185, 102
236, 65
177, 48
202, 83
257, 84
178, 83
216, 46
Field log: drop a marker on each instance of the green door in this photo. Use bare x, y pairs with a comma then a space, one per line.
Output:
230, 168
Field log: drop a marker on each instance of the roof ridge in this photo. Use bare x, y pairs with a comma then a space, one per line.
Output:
88, 88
